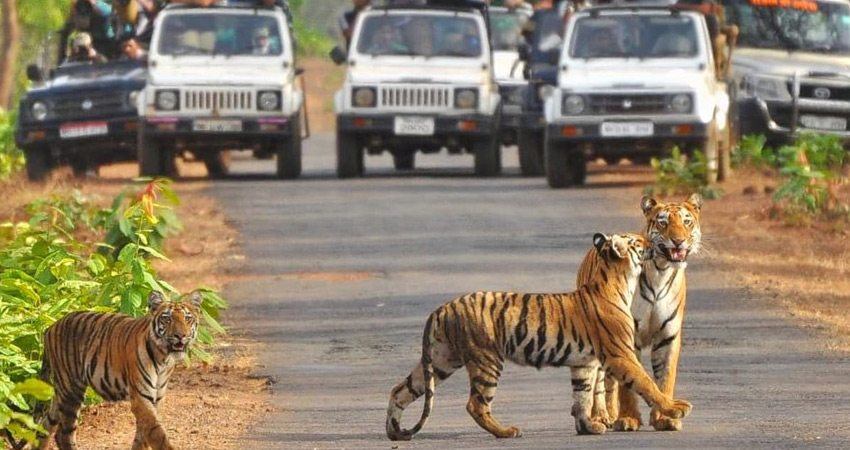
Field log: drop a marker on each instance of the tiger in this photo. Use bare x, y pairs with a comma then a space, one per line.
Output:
121, 358
674, 232
481, 330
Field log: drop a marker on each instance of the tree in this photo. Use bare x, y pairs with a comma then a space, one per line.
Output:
10, 41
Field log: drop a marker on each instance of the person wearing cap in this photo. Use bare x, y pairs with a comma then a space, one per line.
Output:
83, 51
262, 42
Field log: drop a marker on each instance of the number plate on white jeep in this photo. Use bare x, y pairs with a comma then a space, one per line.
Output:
417, 126
75, 130
823, 123
217, 126
626, 129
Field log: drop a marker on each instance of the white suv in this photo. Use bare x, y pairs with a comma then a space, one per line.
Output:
221, 78
419, 78
634, 81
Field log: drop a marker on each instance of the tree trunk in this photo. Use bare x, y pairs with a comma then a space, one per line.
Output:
9, 45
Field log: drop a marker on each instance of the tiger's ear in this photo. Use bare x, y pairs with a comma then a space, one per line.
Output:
196, 299
154, 300
647, 204
695, 200
599, 241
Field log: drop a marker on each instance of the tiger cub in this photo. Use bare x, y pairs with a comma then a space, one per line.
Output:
674, 233
481, 330
120, 358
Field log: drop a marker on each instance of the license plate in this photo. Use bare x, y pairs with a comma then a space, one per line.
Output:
824, 123
217, 126
83, 129
626, 129
418, 126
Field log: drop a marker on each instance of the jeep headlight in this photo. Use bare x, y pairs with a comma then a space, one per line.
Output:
167, 100
545, 91
574, 104
364, 97
681, 103
767, 88
511, 95
268, 100
133, 99
466, 98
39, 110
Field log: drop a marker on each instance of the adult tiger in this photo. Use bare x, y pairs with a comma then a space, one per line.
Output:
674, 232
481, 330
119, 357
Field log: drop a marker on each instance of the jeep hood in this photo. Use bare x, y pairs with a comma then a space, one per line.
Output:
503, 62
100, 76
632, 78
211, 75
785, 63
473, 74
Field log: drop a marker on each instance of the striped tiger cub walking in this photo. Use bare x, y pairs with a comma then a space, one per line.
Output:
481, 330
120, 358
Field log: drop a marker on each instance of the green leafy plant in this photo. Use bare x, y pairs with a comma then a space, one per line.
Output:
50, 266
754, 152
11, 158
679, 174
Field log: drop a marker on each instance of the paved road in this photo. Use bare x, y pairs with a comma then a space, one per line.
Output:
341, 275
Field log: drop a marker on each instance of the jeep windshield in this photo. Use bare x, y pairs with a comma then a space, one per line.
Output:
798, 25
505, 28
420, 35
634, 36
230, 34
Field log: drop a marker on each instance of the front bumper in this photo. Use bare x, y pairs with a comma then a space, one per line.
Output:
776, 117
466, 125
590, 129
118, 139
239, 132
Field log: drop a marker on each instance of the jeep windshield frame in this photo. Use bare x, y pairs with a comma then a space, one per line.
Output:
420, 33
214, 32
814, 26
642, 35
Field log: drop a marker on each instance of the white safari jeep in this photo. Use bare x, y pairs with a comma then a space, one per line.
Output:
419, 78
220, 78
634, 81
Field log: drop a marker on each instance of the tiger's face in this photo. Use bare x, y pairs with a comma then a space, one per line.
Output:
673, 229
174, 325
628, 249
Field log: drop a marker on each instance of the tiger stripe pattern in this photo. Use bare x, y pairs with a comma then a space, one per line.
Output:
674, 233
121, 358
480, 330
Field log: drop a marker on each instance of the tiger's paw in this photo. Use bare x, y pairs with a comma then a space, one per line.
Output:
590, 426
667, 424
510, 432
678, 409
627, 424
604, 419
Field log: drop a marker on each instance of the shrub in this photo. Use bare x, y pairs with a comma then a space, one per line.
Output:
11, 158
679, 174
50, 266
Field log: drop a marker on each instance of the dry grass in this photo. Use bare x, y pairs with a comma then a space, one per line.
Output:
201, 397
803, 270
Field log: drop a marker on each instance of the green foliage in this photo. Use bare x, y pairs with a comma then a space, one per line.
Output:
11, 159
311, 41
679, 174
49, 267
753, 152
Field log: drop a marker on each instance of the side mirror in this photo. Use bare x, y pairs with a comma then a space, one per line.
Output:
34, 73
524, 51
299, 71
338, 55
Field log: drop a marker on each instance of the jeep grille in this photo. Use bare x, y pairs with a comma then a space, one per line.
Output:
218, 100
627, 104
816, 91
91, 104
399, 97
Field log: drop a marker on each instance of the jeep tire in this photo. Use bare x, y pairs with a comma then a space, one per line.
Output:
38, 163
488, 156
530, 153
565, 165
150, 157
217, 163
289, 152
349, 155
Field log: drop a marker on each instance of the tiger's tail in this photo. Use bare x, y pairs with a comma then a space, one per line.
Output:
394, 430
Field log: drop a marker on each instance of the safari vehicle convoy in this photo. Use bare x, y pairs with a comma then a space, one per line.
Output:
792, 66
506, 30
419, 78
636, 81
221, 78
81, 114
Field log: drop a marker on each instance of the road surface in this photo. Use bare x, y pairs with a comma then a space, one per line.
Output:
341, 274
